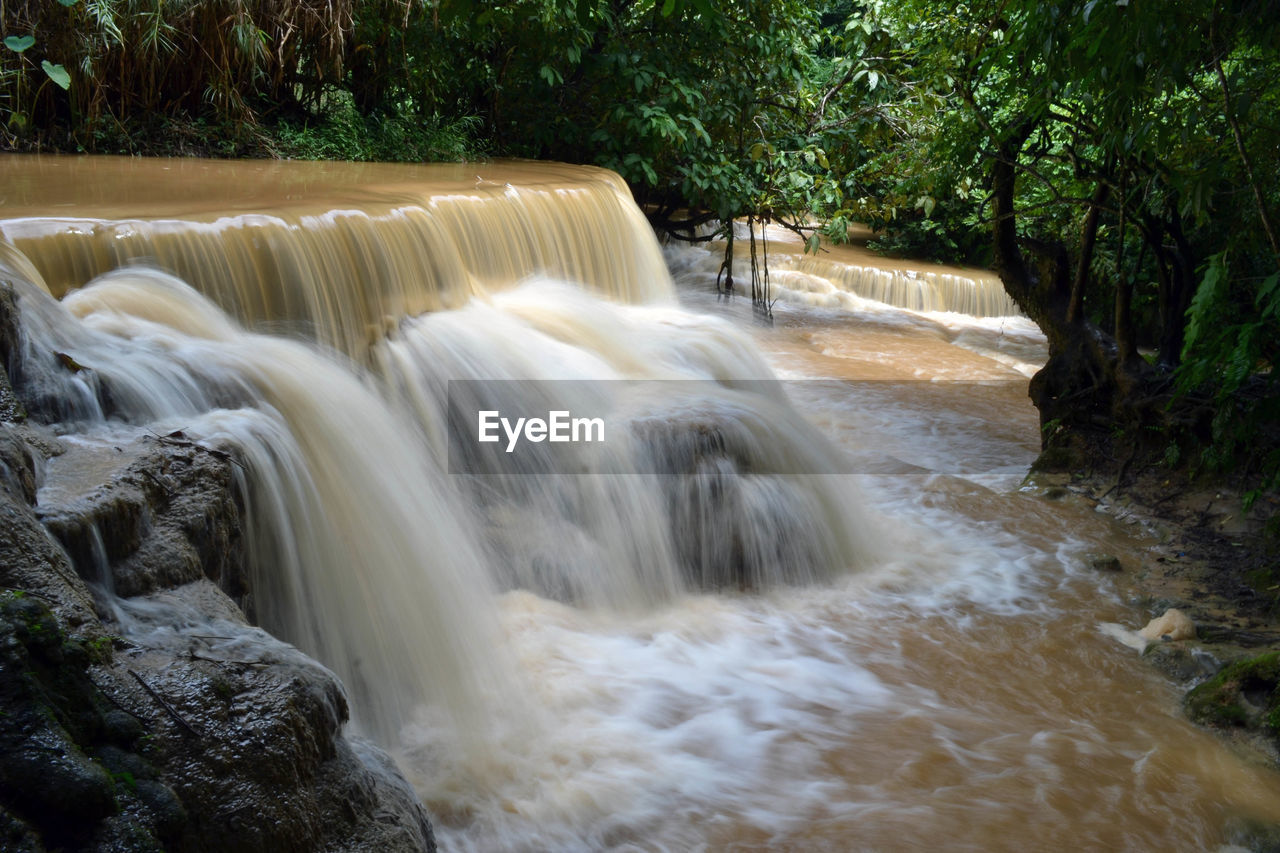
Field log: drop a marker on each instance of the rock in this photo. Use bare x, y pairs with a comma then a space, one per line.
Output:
11, 408
1180, 662
1172, 625
163, 741
51, 715
122, 728
32, 562
250, 744
1102, 562
166, 514
1245, 694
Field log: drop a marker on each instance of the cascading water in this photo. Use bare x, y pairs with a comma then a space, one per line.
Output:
729, 650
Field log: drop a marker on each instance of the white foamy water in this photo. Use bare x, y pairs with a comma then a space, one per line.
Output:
954, 693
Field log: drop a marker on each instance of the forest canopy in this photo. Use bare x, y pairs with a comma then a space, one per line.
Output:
1116, 161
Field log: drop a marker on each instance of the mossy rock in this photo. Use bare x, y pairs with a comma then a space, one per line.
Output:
1059, 457
1244, 694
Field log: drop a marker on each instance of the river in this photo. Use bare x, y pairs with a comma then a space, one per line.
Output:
852, 624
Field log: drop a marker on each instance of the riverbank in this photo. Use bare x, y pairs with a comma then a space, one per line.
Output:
1220, 566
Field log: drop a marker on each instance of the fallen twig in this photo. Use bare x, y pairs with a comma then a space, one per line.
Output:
195, 656
178, 438
164, 704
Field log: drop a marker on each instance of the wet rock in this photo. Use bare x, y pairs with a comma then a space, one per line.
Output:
1171, 625
249, 737
11, 408
17, 465
122, 728
166, 516
1102, 562
32, 563
51, 715
1245, 694
1181, 662
172, 739
16, 835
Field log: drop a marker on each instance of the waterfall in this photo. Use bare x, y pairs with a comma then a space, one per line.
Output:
689, 634
540, 287
850, 275
338, 252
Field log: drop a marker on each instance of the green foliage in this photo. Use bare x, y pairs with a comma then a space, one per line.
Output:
1232, 343
712, 110
1136, 154
1141, 159
113, 62
341, 133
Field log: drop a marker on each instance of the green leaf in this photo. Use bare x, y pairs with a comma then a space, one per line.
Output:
57, 74
1199, 314
19, 43
68, 3
1268, 301
668, 7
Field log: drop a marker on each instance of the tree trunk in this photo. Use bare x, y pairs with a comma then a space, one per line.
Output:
1077, 387
1182, 287
1088, 238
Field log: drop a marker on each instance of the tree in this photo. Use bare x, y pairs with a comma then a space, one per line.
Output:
1120, 160
712, 110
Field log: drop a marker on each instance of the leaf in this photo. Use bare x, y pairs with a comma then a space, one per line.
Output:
19, 43
68, 362
1198, 315
668, 7
56, 73
1268, 301
68, 3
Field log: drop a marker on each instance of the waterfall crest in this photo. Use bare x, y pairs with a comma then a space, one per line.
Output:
338, 252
